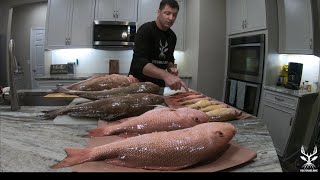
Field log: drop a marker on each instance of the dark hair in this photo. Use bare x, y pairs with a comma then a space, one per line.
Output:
172, 3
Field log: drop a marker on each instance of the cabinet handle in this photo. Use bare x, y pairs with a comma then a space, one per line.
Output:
242, 24
114, 14
245, 24
278, 99
311, 44
69, 41
117, 14
66, 41
291, 121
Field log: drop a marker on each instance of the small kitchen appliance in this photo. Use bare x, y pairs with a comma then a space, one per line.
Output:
294, 75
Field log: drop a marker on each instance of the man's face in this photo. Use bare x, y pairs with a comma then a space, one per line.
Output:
167, 16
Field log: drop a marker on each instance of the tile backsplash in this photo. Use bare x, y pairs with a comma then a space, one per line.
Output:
92, 61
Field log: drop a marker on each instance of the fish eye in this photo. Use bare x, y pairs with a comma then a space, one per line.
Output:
197, 119
219, 133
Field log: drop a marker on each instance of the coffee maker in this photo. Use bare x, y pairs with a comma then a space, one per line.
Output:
294, 75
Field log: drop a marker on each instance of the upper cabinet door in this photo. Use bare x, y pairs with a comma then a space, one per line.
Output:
58, 17
105, 10
246, 15
256, 15
235, 11
147, 11
82, 23
295, 27
116, 10
127, 10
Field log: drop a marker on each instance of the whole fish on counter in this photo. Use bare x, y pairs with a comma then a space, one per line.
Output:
141, 87
100, 83
156, 120
165, 151
110, 108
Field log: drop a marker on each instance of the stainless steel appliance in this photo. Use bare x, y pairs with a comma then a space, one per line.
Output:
245, 72
113, 34
246, 58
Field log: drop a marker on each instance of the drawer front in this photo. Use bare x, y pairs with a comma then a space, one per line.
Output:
281, 99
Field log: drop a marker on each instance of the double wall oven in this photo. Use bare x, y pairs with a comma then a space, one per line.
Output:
245, 72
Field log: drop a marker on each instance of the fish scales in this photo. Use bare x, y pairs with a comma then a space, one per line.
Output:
141, 87
110, 108
103, 82
162, 119
171, 150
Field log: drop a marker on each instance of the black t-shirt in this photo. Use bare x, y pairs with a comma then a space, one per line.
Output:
155, 46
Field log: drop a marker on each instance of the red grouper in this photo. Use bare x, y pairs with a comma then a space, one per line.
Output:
111, 108
141, 87
103, 82
167, 151
161, 119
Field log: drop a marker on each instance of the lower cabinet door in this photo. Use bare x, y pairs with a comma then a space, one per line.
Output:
279, 122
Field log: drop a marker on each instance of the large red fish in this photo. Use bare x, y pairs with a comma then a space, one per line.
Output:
103, 82
161, 119
171, 150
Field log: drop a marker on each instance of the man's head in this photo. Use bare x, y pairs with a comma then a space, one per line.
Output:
167, 14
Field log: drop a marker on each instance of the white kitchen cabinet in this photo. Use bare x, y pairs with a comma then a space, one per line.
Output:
286, 117
245, 16
69, 24
295, 27
116, 10
148, 12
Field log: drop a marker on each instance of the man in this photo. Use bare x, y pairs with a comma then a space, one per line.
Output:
155, 42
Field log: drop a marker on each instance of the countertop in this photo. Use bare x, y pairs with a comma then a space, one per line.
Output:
31, 145
297, 93
81, 76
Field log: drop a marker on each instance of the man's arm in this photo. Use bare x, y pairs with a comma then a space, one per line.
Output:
174, 82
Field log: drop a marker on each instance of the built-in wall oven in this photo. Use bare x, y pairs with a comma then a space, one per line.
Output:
246, 58
245, 72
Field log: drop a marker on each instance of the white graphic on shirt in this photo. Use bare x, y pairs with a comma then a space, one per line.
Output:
163, 49
309, 158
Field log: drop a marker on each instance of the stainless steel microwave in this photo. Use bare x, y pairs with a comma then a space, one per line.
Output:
113, 34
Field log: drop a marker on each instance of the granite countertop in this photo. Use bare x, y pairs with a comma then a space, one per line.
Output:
82, 76
297, 93
31, 145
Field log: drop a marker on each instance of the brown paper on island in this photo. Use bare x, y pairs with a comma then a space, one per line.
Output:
234, 156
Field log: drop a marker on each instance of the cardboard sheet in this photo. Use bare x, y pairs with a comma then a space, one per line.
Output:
235, 155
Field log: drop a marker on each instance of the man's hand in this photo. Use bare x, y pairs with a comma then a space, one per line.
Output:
173, 71
175, 83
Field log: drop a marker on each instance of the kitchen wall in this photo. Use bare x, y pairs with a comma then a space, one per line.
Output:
5, 6
206, 45
25, 17
92, 61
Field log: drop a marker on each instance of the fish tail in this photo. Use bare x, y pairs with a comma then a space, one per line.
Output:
74, 157
98, 132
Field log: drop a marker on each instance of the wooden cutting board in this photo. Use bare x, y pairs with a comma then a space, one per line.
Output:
61, 95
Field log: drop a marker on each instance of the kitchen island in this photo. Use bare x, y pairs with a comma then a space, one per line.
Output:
28, 144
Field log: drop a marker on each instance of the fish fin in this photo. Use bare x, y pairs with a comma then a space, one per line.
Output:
74, 157
98, 132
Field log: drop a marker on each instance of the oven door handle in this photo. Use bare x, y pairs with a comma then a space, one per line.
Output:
246, 45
